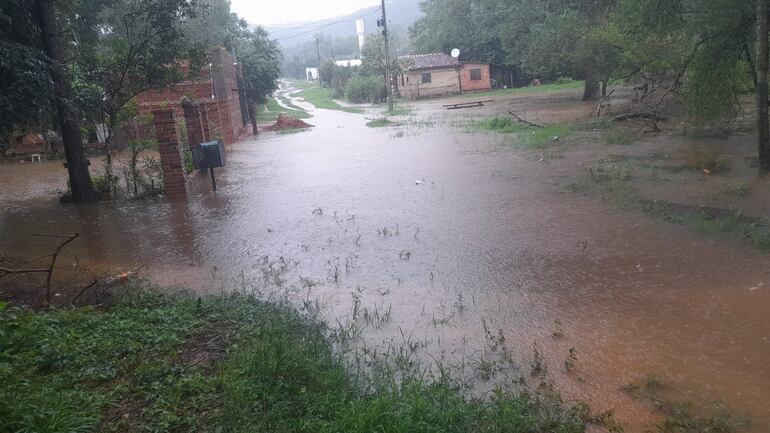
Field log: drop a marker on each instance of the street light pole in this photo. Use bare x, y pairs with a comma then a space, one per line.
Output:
389, 79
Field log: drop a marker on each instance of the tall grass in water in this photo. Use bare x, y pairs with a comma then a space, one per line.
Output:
234, 363
528, 136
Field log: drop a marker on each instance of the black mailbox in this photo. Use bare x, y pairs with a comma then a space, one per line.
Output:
209, 155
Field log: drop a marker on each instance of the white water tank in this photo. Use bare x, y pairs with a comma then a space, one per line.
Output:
360, 32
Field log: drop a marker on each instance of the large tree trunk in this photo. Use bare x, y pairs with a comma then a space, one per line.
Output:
762, 87
591, 90
80, 179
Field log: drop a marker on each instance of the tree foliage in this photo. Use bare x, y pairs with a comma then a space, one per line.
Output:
26, 80
260, 59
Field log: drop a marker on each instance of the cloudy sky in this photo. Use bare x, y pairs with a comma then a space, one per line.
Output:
286, 11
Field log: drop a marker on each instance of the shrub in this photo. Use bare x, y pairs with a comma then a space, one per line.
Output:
365, 89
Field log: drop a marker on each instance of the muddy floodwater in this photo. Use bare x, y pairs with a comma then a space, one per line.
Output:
449, 231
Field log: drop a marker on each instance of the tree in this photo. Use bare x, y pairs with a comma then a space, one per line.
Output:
762, 92
128, 47
373, 60
472, 26
26, 82
260, 60
81, 187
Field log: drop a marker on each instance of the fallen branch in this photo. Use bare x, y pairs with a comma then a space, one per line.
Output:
83, 291
4, 271
54, 256
630, 116
516, 116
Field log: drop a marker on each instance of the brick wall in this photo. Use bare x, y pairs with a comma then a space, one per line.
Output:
468, 84
222, 111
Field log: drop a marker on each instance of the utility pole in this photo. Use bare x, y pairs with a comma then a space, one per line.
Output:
318, 54
389, 79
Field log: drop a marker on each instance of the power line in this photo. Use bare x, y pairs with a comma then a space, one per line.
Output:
327, 25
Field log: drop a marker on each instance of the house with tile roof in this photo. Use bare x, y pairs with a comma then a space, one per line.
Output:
427, 75
439, 74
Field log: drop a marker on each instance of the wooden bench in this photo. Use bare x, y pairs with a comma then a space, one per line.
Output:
467, 104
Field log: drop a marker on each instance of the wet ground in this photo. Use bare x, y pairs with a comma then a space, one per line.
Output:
449, 231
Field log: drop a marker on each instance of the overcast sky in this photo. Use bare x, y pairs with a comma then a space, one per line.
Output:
287, 11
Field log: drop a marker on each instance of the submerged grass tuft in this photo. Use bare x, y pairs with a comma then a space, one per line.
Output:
754, 232
380, 123
503, 125
528, 136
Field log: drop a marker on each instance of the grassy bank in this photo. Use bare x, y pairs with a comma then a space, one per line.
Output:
155, 362
322, 97
270, 111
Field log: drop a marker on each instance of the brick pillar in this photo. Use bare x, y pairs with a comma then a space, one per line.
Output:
205, 125
227, 125
192, 119
166, 133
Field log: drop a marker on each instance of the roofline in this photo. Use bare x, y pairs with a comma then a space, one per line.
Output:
457, 66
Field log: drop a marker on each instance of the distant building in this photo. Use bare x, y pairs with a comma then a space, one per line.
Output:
311, 74
439, 74
348, 62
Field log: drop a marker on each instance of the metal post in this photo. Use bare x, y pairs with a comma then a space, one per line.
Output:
389, 81
213, 179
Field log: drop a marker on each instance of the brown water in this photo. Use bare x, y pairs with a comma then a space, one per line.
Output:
485, 236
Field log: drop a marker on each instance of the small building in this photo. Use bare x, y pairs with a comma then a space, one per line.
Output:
439, 74
347, 63
311, 73
475, 76
428, 75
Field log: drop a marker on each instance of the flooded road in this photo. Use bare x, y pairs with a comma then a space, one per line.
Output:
449, 231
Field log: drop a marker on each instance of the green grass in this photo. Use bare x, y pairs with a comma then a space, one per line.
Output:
379, 123
542, 137
502, 125
288, 103
528, 136
524, 90
755, 233
739, 189
617, 137
270, 111
161, 363
322, 97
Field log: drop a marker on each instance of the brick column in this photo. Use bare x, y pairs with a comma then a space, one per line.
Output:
205, 125
227, 126
166, 133
192, 119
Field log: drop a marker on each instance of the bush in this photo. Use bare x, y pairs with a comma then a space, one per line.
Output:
365, 89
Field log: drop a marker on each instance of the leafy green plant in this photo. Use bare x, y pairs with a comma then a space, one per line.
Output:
188, 161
